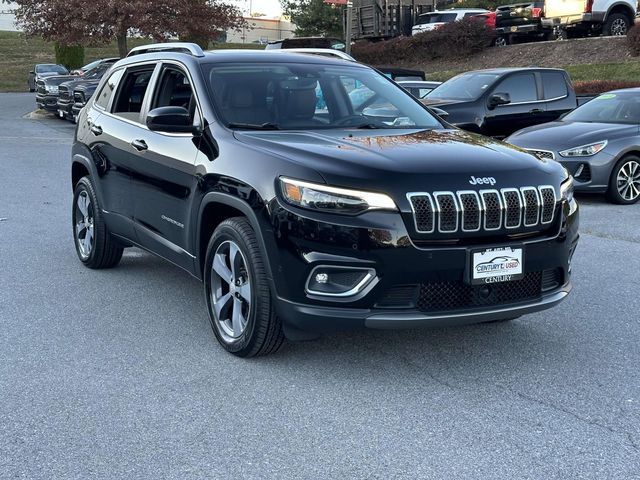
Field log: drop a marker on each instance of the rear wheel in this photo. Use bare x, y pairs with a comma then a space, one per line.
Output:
616, 24
624, 183
95, 246
237, 292
503, 40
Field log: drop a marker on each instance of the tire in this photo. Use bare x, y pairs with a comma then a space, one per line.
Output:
101, 250
503, 40
624, 183
243, 317
616, 24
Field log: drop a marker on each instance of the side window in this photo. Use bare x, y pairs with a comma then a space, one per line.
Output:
174, 90
128, 102
102, 99
521, 87
554, 85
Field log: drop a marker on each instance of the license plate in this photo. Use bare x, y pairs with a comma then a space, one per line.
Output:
60, 113
514, 29
494, 265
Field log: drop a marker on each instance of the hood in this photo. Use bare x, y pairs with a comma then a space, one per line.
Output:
563, 135
58, 79
408, 160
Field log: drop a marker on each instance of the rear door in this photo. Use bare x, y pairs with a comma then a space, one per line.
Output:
524, 110
556, 93
164, 172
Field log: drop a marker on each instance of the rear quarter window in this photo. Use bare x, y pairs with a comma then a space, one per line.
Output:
554, 85
102, 99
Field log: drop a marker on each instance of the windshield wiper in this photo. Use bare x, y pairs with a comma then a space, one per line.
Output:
255, 126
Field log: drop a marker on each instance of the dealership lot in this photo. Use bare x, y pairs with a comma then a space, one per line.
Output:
116, 373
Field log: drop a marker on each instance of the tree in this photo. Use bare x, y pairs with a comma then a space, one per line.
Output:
314, 17
82, 22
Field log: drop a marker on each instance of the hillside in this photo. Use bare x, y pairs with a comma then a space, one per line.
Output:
603, 58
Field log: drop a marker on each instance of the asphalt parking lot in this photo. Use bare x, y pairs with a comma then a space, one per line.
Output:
116, 374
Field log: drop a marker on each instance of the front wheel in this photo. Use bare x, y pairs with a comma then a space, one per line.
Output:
624, 183
616, 25
503, 41
237, 292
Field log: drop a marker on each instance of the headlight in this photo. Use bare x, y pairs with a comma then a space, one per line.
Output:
584, 150
51, 88
566, 190
332, 199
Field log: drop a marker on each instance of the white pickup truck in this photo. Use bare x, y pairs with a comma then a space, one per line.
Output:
577, 18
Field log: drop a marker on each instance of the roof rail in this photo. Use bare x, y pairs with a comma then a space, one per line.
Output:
182, 47
325, 52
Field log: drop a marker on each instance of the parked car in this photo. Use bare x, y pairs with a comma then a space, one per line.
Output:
586, 17
598, 143
81, 95
301, 220
435, 19
66, 89
90, 66
418, 89
499, 101
520, 22
488, 18
47, 91
307, 42
43, 70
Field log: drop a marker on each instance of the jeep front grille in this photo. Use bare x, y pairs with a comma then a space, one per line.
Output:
471, 211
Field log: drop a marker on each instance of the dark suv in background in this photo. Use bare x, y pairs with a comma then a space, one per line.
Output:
304, 209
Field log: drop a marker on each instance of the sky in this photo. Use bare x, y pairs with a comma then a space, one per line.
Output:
270, 8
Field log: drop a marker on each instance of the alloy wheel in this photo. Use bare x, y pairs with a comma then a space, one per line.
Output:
628, 180
84, 223
619, 27
230, 290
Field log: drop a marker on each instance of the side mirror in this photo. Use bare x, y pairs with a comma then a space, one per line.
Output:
499, 99
439, 112
170, 120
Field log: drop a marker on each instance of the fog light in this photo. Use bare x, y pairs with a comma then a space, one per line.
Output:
334, 281
322, 277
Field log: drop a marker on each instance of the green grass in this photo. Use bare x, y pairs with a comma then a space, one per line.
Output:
627, 71
18, 55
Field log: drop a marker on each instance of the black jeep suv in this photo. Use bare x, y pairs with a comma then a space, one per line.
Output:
311, 194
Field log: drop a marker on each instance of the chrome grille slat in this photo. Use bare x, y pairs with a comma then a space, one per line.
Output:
487, 210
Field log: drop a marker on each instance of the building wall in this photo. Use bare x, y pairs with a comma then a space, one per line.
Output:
262, 30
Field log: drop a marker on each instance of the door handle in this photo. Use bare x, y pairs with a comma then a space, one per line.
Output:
96, 129
536, 110
139, 145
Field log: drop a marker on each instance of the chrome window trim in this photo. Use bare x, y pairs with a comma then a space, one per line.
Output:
484, 209
478, 203
525, 207
506, 207
439, 211
410, 195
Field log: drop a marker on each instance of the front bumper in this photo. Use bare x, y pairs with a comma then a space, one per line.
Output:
380, 241
47, 102
65, 109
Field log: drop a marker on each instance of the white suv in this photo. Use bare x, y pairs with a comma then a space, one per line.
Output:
432, 20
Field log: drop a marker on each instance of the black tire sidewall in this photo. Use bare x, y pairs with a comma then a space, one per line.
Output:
245, 343
609, 23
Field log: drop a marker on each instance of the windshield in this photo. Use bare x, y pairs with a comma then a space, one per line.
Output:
468, 86
311, 97
436, 18
608, 108
59, 69
91, 65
